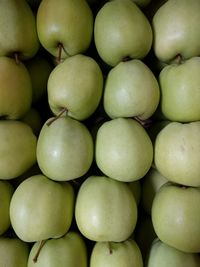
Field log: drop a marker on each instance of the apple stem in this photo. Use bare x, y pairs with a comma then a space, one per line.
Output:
125, 59
58, 116
42, 242
16, 56
109, 247
178, 59
60, 48
145, 123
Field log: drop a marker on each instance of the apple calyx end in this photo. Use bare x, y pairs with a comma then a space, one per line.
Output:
42, 242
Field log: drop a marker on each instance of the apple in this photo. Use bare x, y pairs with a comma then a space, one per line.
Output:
69, 250
76, 85
150, 184
17, 148
176, 30
105, 209
111, 254
18, 35
64, 27
69, 146
15, 90
180, 95
176, 217
119, 150
162, 255
41, 208
121, 31
177, 153
131, 90
6, 191
13, 252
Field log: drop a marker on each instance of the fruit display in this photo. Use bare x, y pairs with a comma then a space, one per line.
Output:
99, 133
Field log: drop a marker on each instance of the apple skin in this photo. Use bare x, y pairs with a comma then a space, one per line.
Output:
69, 146
120, 146
13, 252
6, 192
41, 208
176, 217
77, 85
162, 255
131, 89
176, 30
69, 23
15, 90
18, 30
121, 30
111, 254
176, 153
17, 148
69, 250
105, 209
180, 95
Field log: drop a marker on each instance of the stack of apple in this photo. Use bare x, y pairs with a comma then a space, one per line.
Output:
99, 133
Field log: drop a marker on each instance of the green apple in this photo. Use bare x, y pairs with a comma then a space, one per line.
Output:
76, 85
6, 191
65, 27
15, 90
177, 30
69, 250
41, 208
180, 94
121, 31
176, 217
177, 152
105, 209
69, 146
162, 255
131, 90
120, 146
33, 119
111, 254
39, 69
13, 252
135, 187
18, 35
17, 148
151, 183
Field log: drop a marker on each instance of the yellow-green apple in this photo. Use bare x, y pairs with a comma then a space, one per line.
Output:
64, 149
121, 31
105, 209
65, 27
17, 148
75, 85
131, 90
119, 150
41, 208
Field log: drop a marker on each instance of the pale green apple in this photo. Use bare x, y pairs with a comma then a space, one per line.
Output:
180, 94
39, 68
121, 31
66, 23
77, 85
105, 209
123, 150
162, 255
17, 148
177, 152
18, 35
33, 118
69, 250
176, 217
6, 191
15, 89
151, 183
64, 149
177, 30
111, 254
13, 252
41, 208
131, 90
